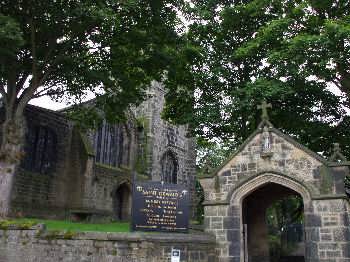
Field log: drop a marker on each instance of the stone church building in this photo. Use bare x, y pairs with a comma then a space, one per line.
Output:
68, 173
270, 166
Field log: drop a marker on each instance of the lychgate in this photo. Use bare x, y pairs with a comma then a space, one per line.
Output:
270, 166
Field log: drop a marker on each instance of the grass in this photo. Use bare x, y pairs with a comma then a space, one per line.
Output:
76, 226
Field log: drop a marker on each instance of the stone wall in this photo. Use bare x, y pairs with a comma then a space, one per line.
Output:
328, 230
39, 246
76, 183
101, 185
163, 137
44, 194
291, 166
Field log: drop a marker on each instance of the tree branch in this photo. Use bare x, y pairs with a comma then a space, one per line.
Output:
44, 91
21, 82
4, 95
2, 91
28, 93
52, 93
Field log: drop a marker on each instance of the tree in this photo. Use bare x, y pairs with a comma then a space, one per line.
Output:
211, 154
65, 48
286, 52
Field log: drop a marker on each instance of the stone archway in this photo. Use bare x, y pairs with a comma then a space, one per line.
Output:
253, 245
257, 240
122, 202
286, 164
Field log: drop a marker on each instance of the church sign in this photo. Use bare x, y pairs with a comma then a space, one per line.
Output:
160, 207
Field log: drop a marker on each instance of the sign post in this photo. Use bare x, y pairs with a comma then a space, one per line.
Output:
175, 255
160, 207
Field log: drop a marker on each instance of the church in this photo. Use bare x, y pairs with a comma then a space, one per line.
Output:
67, 173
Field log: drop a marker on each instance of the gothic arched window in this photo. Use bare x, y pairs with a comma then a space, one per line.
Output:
40, 149
112, 145
169, 168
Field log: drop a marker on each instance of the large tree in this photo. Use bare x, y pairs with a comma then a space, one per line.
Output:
65, 48
294, 54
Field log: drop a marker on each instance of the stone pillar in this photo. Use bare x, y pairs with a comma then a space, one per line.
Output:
216, 223
328, 231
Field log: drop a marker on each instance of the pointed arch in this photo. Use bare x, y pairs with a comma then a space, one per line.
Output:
238, 196
240, 192
169, 167
122, 201
112, 144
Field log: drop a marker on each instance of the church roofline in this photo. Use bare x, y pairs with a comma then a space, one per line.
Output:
278, 132
46, 110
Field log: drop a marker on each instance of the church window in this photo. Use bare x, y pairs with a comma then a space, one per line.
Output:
112, 145
169, 168
171, 136
40, 149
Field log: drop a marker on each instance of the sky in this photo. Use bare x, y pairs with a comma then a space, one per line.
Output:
48, 103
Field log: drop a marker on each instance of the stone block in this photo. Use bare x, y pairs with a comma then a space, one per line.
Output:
233, 211
226, 173
233, 236
312, 234
327, 246
311, 250
222, 211
326, 237
346, 250
341, 234
251, 166
232, 222
234, 249
336, 206
312, 220
211, 211
333, 254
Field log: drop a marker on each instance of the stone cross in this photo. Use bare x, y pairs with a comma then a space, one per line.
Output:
264, 106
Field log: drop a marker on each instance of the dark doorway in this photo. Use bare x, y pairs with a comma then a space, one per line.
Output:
122, 202
169, 168
273, 225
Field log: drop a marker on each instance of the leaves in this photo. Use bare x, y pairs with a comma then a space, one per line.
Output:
69, 48
11, 37
294, 54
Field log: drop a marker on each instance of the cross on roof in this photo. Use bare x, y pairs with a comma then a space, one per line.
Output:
264, 106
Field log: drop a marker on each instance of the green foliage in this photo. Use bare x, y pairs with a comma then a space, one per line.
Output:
211, 154
289, 53
347, 186
68, 49
6, 224
199, 215
279, 216
284, 212
11, 37
68, 229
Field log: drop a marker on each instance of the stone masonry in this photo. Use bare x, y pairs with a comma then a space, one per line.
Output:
269, 158
40, 246
63, 175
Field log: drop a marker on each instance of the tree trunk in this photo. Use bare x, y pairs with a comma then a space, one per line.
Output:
10, 154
